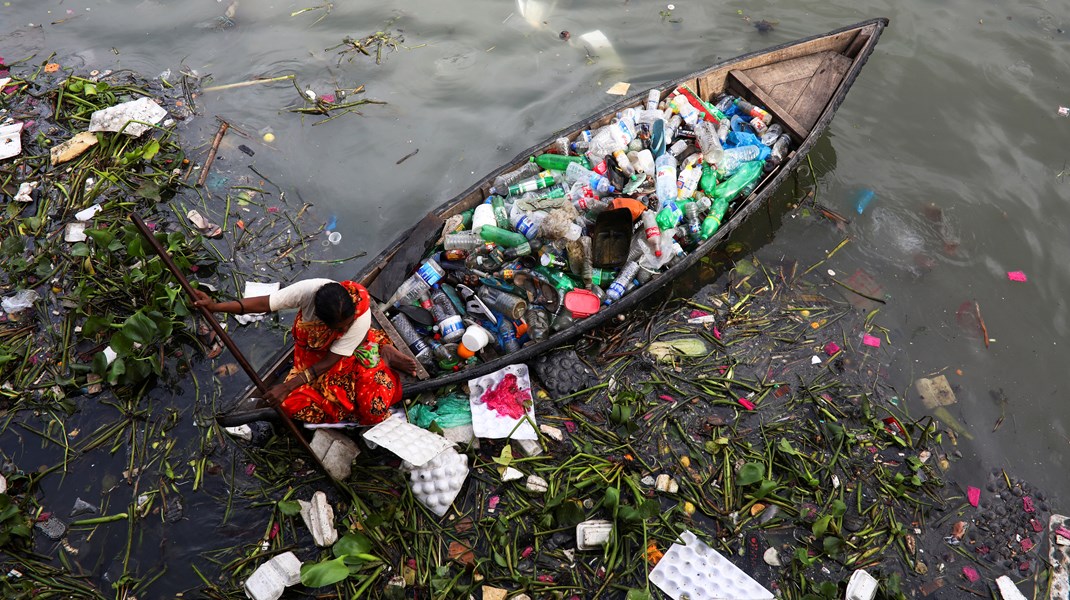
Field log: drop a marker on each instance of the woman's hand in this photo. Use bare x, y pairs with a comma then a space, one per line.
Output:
202, 299
277, 393
398, 360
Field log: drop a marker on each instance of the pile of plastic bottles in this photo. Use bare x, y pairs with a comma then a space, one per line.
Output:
525, 263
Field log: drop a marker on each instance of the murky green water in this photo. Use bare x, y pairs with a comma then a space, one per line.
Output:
957, 109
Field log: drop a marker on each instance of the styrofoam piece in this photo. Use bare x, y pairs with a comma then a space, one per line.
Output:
862, 586
132, 115
3, 484
52, 527
10, 140
1008, 590
87, 213
1059, 558
530, 447
593, 534
665, 483
438, 482
462, 434
319, 518
536, 484
252, 290
336, 451
272, 578
241, 431
511, 474
75, 232
414, 444
487, 423
25, 193
110, 354
552, 432
701, 573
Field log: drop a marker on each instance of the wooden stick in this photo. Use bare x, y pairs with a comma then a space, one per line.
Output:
984, 330
238, 356
223, 126
231, 86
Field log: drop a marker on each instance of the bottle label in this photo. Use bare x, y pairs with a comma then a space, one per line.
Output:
525, 226
430, 273
450, 326
653, 232
616, 290
418, 346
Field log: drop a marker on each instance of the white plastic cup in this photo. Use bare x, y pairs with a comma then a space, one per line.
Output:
334, 237
484, 215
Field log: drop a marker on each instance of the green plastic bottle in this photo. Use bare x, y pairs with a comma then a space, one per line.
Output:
501, 216
558, 279
502, 237
531, 185
466, 218
708, 181
746, 174
670, 215
713, 219
602, 277
560, 162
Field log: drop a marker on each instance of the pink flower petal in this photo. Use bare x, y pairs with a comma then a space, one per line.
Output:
527, 552
871, 340
971, 574
250, 469
831, 348
1027, 545
717, 333
1027, 504
973, 495
493, 502
570, 426
747, 404
1017, 276
667, 398
698, 313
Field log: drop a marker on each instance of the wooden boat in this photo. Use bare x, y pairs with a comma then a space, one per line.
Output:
801, 83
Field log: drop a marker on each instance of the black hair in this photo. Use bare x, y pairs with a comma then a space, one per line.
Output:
334, 304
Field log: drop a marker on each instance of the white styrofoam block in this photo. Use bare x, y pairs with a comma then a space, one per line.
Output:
530, 447
699, 572
75, 232
536, 484
592, 534
252, 290
1060, 560
336, 451
87, 213
241, 431
552, 432
319, 518
272, 578
862, 586
487, 423
128, 117
1008, 590
10, 140
511, 474
414, 444
438, 482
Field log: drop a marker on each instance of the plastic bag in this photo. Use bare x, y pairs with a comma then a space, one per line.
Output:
452, 411
20, 301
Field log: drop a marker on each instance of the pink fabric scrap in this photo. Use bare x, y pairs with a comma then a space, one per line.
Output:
832, 348
1017, 276
250, 469
493, 502
527, 552
1027, 504
698, 313
570, 426
747, 404
328, 98
507, 399
973, 495
1027, 545
1037, 527
546, 578
274, 531
971, 574
871, 340
667, 398
716, 333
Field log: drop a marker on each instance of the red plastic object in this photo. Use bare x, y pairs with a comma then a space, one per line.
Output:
582, 303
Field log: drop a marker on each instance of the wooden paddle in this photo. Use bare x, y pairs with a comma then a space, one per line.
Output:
227, 341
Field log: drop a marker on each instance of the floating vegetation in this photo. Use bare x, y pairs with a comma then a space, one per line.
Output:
375, 43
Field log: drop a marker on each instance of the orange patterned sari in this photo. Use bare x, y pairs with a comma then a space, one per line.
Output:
358, 388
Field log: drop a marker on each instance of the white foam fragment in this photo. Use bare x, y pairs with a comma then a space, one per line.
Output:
488, 423
252, 290
437, 483
415, 445
88, 213
319, 518
1059, 559
132, 118
272, 578
511, 474
699, 572
593, 534
25, 193
241, 431
336, 452
10, 139
75, 232
862, 586
1008, 590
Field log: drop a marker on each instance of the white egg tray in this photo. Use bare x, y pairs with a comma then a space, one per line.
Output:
437, 483
699, 572
252, 290
412, 443
1059, 558
486, 422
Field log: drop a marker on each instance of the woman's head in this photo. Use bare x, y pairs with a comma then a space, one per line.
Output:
334, 306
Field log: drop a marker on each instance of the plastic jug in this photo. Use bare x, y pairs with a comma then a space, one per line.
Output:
475, 338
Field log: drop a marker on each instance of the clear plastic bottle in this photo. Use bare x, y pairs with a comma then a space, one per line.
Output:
671, 126
415, 341
734, 157
665, 178
429, 273
772, 133
577, 173
688, 181
503, 181
653, 97
725, 103
685, 109
527, 223
644, 161
622, 283
652, 231
691, 219
709, 142
465, 240
678, 148
779, 151
622, 161
448, 322
753, 111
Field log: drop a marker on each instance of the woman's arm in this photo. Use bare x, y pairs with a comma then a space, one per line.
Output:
278, 392
256, 304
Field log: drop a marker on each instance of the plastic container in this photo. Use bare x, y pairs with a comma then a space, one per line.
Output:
484, 215
474, 339
611, 237
665, 178
582, 303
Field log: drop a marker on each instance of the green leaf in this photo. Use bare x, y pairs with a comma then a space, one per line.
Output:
352, 543
612, 499
821, 526
569, 514
324, 573
506, 457
785, 447
100, 237
838, 508
290, 508
749, 473
151, 149
80, 249
140, 328
90, 89
100, 363
634, 594
116, 370
767, 486
832, 545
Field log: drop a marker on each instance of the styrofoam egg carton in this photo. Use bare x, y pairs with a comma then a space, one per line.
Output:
438, 482
272, 578
862, 586
486, 422
699, 572
414, 444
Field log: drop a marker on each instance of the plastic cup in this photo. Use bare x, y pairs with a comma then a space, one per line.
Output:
334, 237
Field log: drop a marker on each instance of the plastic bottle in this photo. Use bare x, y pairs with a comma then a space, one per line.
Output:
621, 284
653, 97
507, 335
415, 341
465, 240
709, 143
694, 225
734, 157
484, 215
751, 110
538, 320
503, 181
429, 273
474, 339
576, 173
747, 173
525, 248
652, 231
770, 136
558, 162
602, 277
687, 111
665, 178
725, 103
713, 219
526, 223
670, 215
501, 216
562, 145
502, 237
530, 185
688, 181
556, 278
653, 262
644, 161
424, 299
503, 302
622, 161
779, 151
708, 181
678, 148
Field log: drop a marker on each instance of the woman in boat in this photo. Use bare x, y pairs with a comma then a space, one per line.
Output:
343, 370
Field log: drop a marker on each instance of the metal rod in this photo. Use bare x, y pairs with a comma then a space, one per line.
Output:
227, 341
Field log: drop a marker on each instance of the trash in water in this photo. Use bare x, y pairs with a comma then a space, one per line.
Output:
205, 226
75, 232
680, 575
1016, 276
10, 139
87, 213
271, 579
862, 199
132, 118
502, 405
871, 340
935, 392
252, 290
1064, 111
619, 89
22, 300
411, 443
973, 495
437, 483
25, 192
319, 518
72, 148
861, 586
